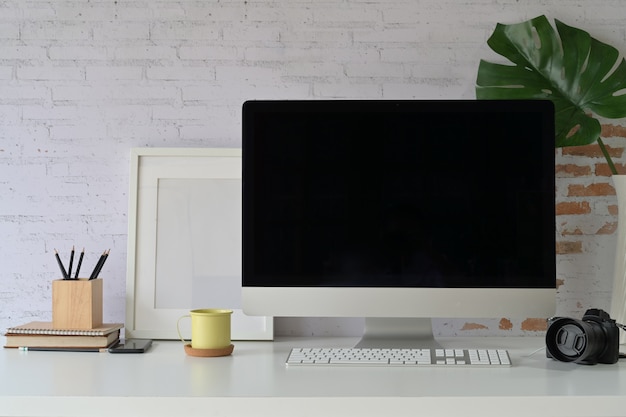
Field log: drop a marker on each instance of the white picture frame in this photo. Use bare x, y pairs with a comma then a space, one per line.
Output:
184, 241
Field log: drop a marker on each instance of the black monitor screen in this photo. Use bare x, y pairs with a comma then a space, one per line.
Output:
398, 194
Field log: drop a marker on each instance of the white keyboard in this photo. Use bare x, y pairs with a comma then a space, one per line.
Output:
398, 357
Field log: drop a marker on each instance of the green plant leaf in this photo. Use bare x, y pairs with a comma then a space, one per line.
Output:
580, 74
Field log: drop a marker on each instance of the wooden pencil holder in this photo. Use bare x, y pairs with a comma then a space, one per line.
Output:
76, 304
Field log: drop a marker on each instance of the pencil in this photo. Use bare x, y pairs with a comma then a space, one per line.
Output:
69, 270
106, 255
96, 268
56, 253
80, 261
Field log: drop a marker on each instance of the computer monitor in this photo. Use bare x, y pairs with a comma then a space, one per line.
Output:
399, 211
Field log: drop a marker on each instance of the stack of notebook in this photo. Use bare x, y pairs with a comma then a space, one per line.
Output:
40, 335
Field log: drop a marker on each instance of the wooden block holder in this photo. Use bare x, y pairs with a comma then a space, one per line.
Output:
76, 304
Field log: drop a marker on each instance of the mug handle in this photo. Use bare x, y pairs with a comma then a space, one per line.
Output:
178, 327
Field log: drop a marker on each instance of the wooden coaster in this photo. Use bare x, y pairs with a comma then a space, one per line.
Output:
208, 353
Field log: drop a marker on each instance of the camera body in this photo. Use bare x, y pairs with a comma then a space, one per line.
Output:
592, 340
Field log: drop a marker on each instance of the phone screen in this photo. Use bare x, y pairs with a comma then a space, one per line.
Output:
132, 346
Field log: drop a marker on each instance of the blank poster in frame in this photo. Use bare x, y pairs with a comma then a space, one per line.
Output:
184, 241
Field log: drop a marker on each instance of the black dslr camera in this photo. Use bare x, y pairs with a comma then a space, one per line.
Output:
592, 340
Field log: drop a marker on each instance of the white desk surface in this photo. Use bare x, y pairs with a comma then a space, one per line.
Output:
255, 381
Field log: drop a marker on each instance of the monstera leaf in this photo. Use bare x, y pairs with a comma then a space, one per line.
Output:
581, 75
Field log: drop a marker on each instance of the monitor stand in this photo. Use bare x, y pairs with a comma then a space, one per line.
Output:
398, 333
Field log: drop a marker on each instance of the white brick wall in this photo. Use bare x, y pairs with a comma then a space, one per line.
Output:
83, 82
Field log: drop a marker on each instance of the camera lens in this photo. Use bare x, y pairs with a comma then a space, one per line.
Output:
570, 340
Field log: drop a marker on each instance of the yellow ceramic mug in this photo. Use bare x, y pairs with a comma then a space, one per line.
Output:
210, 328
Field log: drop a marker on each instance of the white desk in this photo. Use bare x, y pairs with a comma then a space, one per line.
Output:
254, 381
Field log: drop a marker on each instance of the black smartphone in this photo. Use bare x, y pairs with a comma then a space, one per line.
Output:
132, 346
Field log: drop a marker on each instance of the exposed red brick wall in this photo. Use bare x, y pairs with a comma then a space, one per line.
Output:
586, 218
534, 325
588, 190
